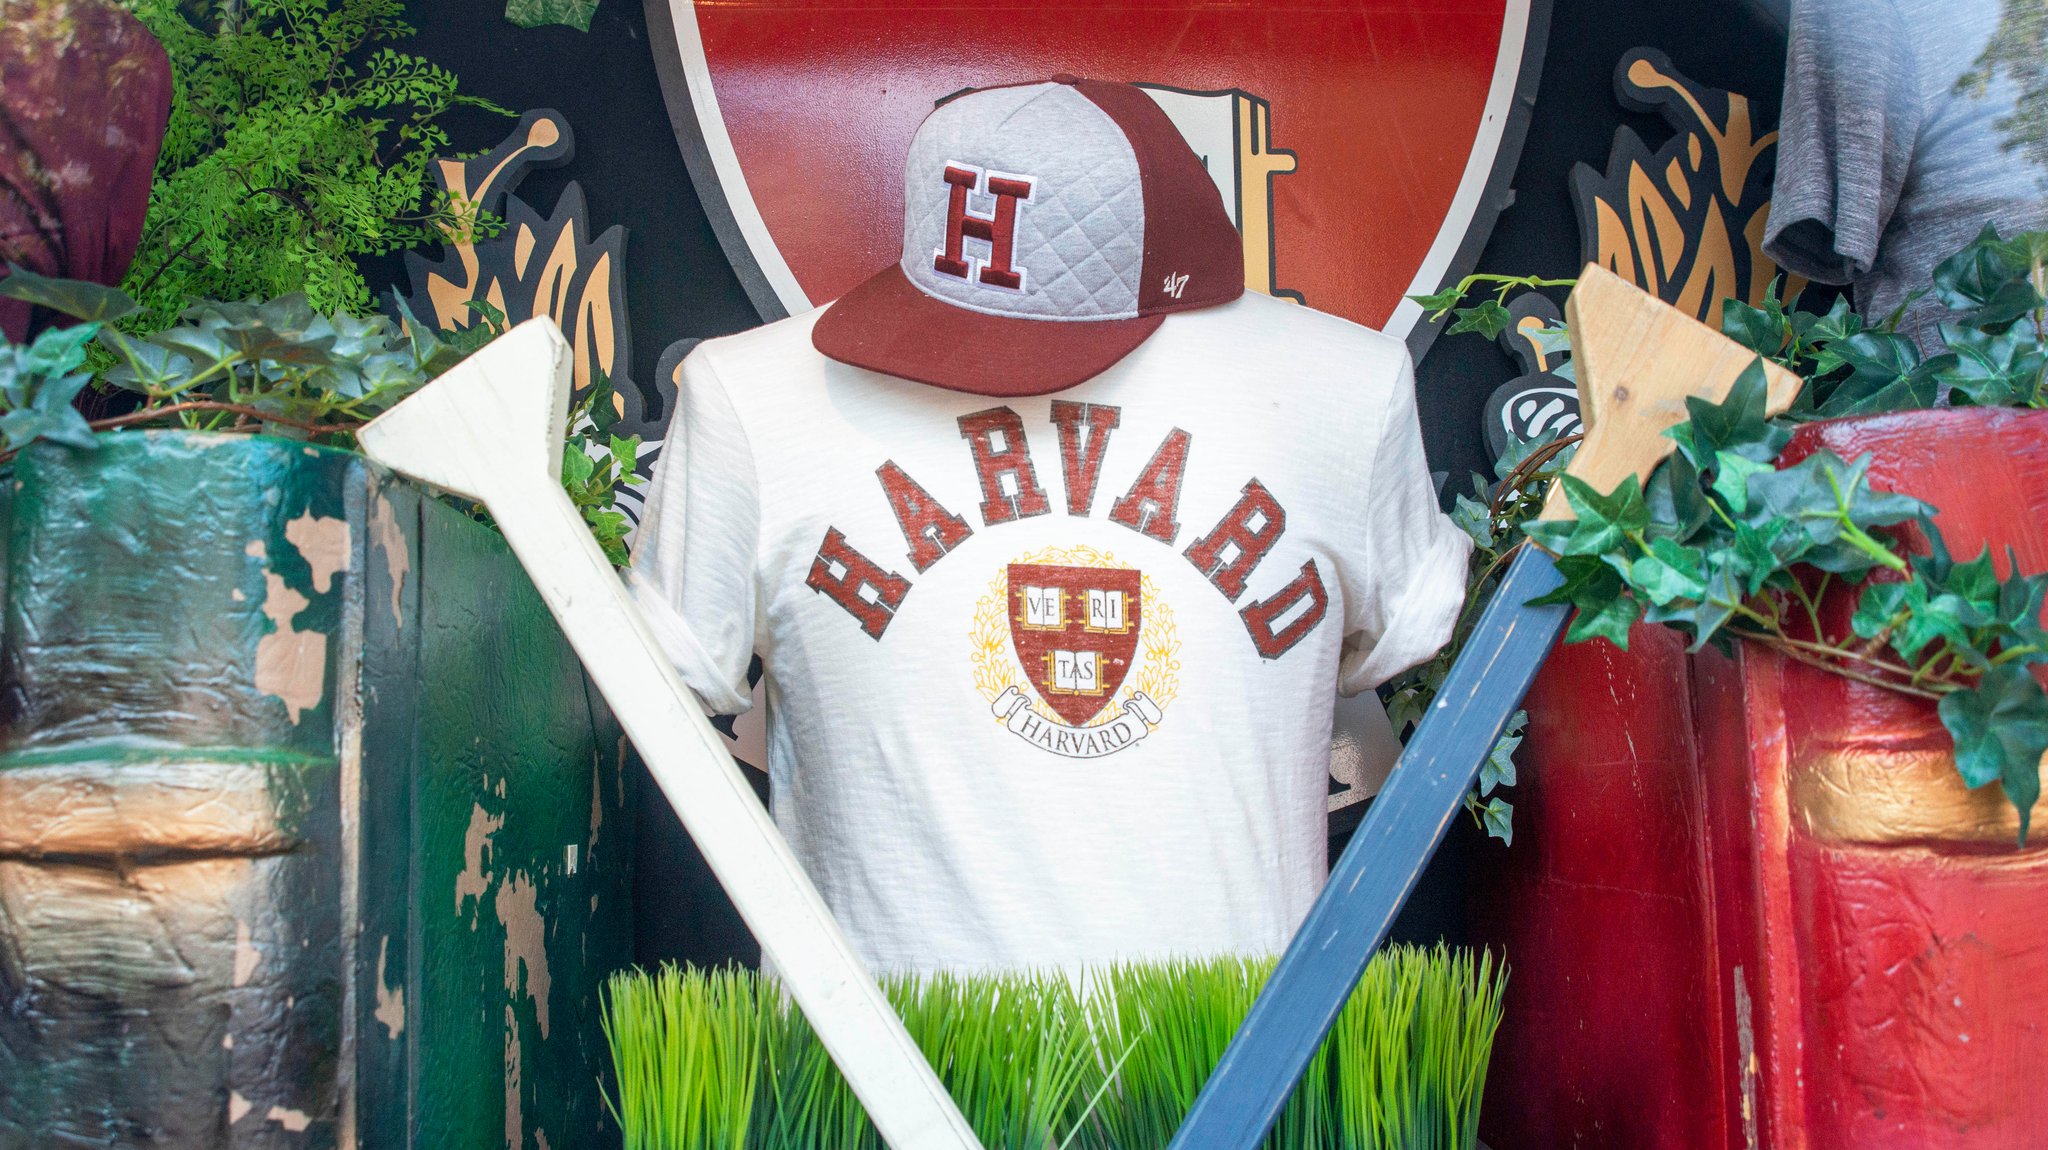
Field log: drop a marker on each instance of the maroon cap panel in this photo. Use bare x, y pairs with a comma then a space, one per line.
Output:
887, 325
1187, 231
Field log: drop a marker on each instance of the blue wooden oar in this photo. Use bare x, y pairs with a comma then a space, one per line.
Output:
1638, 360
1381, 865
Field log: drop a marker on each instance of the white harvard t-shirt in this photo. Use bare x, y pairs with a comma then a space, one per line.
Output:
1050, 678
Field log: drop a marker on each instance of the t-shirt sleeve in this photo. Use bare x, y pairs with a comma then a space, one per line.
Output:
1845, 139
693, 571
1405, 580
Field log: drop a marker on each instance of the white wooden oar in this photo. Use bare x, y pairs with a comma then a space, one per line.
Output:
491, 430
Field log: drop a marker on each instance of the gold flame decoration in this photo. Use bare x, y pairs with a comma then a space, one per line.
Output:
538, 266
1685, 222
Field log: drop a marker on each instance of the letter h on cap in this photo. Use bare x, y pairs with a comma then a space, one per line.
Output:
999, 231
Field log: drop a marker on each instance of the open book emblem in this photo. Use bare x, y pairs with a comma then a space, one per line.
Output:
1075, 630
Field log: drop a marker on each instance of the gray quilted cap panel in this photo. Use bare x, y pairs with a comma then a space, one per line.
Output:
1080, 237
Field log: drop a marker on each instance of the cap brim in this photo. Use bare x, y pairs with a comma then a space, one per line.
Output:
889, 326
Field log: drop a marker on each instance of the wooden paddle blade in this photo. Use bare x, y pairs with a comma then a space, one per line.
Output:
1380, 866
1638, 360
513, 398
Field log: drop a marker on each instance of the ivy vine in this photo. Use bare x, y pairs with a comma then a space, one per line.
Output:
1729, 540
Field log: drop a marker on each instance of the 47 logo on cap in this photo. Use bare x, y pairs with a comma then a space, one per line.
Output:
998, 231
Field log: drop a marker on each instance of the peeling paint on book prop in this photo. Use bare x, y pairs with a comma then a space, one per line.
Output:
1684, 222
544, 266
1363, 149
234, 739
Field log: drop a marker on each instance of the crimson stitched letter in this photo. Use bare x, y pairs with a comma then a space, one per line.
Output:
1236, 530
929, 528
1148, 507
994, 459
861, 574
1080, 466
999, 231
1259, 617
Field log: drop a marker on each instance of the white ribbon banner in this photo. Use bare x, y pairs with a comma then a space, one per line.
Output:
1132, 723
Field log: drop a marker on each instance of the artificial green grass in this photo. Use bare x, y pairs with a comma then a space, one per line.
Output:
717, 1060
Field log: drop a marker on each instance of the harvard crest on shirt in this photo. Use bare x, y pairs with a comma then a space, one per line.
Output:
1074, 618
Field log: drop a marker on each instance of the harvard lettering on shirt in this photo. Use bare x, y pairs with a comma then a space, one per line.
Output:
1000, 455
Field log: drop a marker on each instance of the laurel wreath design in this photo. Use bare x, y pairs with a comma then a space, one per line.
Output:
995, 662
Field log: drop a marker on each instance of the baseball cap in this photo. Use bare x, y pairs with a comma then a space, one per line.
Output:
1048, 229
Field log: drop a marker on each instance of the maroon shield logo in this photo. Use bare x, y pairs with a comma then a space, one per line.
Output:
1075, 629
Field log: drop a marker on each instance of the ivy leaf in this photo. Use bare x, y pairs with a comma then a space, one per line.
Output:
1603, 523
609, 528
1474, 519
1731, 478
1828, 499
1705, 616
1763, 330
1987, 282
1601, 605
1609, 620
1738, 424
1670, 571
79, 299
1487, 317
24, 425
2019, 613
1676, 506
204, 349
1975, 582
1407, 707
1936, 564
625, 452
1882, 605
1498, 816
57, 350
1437, 303
1839, 323
1521, 449
1760, 551
1587, 579
2000, 727
577, 467
1551, 340
1927, 621
1992, 370
1499, 768
599, 404
1885, 374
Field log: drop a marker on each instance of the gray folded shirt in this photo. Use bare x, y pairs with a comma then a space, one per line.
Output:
1907, 125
